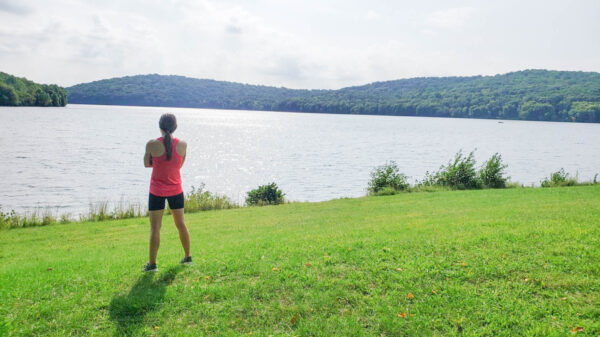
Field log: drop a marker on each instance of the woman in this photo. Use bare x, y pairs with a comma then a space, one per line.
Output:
166, 156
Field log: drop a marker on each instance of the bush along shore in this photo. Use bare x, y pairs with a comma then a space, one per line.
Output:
461, 173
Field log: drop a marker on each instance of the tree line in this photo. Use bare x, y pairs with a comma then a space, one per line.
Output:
540, 95
18, 91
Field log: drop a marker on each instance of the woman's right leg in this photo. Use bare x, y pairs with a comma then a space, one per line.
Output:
184, 235
155, 224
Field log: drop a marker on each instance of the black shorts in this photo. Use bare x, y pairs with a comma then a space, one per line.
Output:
156, 203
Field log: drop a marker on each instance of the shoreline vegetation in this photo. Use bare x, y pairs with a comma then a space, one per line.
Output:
19, 91
460, 173
535, 95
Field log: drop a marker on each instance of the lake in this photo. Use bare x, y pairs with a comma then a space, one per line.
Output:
63, 159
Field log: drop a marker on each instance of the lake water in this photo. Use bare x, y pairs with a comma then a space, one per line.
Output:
66, 158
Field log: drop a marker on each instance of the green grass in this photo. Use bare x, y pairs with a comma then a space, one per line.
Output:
505, 262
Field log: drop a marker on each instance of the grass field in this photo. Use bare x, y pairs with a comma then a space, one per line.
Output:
511, 262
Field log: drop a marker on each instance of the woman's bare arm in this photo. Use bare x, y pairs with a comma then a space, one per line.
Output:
182, 150
148, 156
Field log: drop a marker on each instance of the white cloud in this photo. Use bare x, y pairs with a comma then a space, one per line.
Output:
452, 18
298, 44
372, 15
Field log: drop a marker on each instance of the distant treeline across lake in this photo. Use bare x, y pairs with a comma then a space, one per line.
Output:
539, 95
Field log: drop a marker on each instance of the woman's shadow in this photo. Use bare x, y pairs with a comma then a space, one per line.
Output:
146, 295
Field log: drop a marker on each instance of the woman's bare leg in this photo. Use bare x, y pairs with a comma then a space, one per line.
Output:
155, 224
184, 236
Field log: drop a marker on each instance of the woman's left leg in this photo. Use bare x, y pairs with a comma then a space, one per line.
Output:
155, 224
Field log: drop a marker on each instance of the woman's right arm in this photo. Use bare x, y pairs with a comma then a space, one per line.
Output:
147, 155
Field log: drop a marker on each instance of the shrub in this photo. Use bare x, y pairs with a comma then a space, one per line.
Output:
492, 172
559, 178
387, 179
459, 174
200, 200
265, 195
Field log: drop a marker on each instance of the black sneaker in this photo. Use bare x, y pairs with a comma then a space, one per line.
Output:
186, 260
150, 267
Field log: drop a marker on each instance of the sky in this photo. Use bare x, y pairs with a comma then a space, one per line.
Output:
322, 44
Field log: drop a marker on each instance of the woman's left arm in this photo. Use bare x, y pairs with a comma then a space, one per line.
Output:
182, 149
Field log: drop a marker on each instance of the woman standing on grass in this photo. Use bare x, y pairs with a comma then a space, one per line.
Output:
166, 156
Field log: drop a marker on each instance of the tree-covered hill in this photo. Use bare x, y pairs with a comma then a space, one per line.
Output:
18, 91
180, 91
528, 95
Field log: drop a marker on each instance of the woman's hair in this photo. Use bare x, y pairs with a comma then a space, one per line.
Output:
168, 123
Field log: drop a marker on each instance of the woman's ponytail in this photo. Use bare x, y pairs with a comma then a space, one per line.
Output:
168, 123
168, 141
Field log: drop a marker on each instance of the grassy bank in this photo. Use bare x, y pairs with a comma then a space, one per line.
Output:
471, 263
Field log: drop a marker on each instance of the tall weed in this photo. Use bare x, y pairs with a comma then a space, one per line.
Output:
198, 199
491, 173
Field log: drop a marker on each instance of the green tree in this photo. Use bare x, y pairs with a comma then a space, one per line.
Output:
20, 91
8, 96
585, 112
531, 110
42, 98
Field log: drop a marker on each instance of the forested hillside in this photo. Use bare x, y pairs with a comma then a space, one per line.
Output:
15, 91
180, 91
528, 95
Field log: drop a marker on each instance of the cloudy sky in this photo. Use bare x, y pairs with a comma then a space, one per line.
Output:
297, 44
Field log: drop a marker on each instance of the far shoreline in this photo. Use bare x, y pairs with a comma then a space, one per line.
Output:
327, 113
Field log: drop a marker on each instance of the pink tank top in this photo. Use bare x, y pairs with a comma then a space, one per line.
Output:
166, 181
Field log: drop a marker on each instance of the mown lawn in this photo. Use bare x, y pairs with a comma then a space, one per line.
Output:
467, 263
